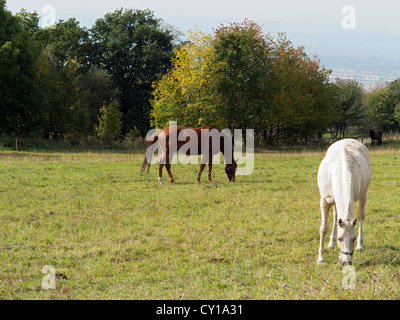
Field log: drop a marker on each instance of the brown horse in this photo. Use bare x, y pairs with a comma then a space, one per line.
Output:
375, 135
194, 141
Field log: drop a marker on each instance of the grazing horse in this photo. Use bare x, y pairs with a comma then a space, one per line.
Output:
343, 178
195, 141
375, 135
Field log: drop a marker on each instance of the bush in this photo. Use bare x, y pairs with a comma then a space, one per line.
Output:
109, 127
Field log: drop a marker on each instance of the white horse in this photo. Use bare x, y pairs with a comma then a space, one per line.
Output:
343, 178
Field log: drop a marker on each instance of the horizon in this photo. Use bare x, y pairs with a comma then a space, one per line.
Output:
369, 53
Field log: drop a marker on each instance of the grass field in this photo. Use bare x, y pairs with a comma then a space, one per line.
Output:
256, 238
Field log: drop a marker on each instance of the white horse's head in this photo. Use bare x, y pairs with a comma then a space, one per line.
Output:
346, 240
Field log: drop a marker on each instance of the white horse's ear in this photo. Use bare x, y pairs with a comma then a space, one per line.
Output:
340, 222
354, 222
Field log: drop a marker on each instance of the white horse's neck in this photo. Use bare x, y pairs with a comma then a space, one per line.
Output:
345, 194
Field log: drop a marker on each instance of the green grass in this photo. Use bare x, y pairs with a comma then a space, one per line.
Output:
256, 238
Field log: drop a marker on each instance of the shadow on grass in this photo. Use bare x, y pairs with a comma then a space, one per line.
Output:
381, 255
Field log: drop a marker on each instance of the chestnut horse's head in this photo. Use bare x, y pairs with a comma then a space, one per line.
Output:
230, 170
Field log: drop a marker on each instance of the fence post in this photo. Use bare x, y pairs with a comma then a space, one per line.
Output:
16, 144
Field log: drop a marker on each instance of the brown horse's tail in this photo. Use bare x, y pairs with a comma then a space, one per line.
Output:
148, 156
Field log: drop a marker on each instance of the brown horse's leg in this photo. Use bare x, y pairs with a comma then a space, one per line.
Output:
168, 166
160, 172
209, 171
202, 166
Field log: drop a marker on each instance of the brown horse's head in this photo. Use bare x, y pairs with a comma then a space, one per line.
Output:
230, 170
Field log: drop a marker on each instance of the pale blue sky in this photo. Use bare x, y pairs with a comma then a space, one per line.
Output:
373, 48
370, 13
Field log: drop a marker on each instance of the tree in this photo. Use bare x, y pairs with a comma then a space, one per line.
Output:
382, 105
109, 127
98, 89
303, 101
394, 102
187, 93
68, 40
220, 80
29, 21
135, 48
350, 95
65, 103
244, 81
72, 91
21, 99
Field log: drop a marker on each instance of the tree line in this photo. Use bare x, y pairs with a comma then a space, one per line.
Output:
129, 72
67, 81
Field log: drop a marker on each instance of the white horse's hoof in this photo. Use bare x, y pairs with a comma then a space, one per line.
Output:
331, 245
360, 247
160, 180
320, 261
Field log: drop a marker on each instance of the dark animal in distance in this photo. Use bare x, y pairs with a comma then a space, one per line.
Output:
375, 135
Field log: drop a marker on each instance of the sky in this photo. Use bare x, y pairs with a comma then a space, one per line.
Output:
372, 42
185, 13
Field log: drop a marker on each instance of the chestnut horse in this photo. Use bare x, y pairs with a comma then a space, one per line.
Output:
194, 141
375, 135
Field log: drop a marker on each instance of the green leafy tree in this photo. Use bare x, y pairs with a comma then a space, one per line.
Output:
220, 80
244, 82
68, 40
29, 21
303, 101
382, 105
350, 95
394, 103
377, 112
109, 127
187, 93
97, 87
242, 78
68, 114
136, 49
21, 99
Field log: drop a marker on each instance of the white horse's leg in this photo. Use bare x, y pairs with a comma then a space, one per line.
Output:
360, 217
323, 229
333, 238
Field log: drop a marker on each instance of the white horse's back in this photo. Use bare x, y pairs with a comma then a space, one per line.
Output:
345, 171
343, 178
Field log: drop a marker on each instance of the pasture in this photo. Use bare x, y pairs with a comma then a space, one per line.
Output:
119, 234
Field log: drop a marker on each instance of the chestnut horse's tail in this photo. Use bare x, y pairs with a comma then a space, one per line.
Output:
148, 156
